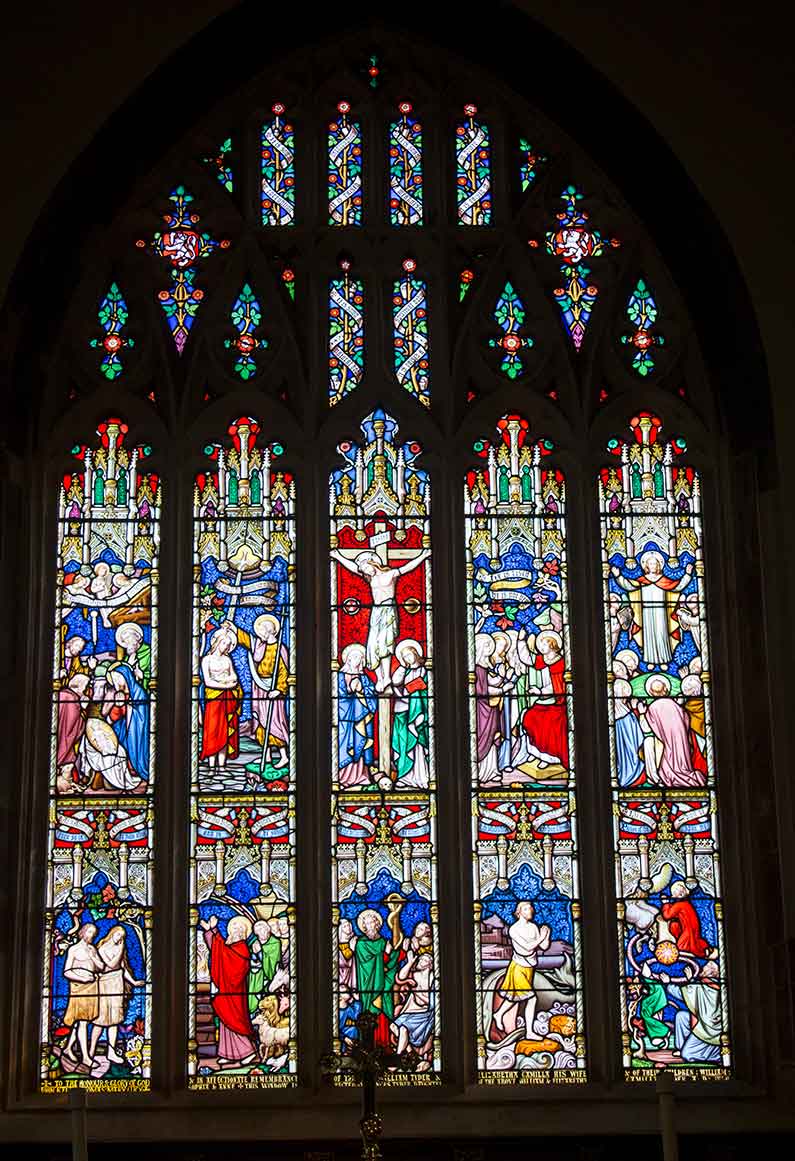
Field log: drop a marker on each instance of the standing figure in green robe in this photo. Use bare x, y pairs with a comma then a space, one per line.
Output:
410, 723
652, 1005
265, 951
376, 969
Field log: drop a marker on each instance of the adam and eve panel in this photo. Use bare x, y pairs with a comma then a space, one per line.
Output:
96, 987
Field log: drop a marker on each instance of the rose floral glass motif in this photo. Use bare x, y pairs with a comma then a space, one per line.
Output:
372, 71
96, 1014
573, 242
346, 334
473, 170
405, 169
529, 161
384, 892
242, 1012
182, 246
288, 281
221, 163
527, 913
278, 170
344, 169
410, 333
509, 314
642, 313
671, 951
112, 317
465, 280
246, 317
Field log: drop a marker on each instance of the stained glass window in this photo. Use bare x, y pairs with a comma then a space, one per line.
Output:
96, 1018
221, 163
246, 316
529, 161
465, 280
242, 1023
346, 334
384, 892
574, 242
410, 333
405, 169
112, 317
288, 281
344, 169
642, 313
379, 915
509, 315
278, 170
671, 954
527, 931
473, 170
182, 246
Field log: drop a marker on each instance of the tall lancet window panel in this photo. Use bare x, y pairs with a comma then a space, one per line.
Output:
96, 1018
242, 1022
345, 334
344, 169
671, 952
405, 169
410, 333
278, 170
473, 170
530, 1027
384, 892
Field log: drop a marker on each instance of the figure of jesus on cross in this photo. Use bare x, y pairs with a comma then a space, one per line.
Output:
373, 565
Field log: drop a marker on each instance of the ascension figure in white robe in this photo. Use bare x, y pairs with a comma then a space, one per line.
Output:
652, 588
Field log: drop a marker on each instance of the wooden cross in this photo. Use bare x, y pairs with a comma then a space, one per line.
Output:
367, 1061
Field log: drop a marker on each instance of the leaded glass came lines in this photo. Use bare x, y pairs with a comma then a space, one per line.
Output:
410, 333
669, 910
473, 170
384, 890
242, 1004
97, 986
346, 334
529, 1001
277, 187
344, 169
405, 169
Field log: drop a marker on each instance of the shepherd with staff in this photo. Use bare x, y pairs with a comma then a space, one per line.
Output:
268, 662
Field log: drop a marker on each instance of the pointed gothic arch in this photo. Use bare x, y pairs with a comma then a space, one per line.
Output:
575, 416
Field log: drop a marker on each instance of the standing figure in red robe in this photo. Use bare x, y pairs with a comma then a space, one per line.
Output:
546, 722
71, 721
230, 962
222, 700
684, 923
